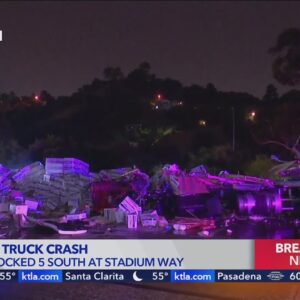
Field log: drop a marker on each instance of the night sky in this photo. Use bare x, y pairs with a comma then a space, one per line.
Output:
60, 46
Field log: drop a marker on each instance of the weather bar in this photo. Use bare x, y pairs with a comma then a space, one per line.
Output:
146, 276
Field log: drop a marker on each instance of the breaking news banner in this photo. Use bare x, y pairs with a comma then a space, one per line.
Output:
277, 254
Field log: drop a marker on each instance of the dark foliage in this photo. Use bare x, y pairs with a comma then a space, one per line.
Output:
139, 119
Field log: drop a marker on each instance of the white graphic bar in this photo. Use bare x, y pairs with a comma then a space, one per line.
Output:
126, 254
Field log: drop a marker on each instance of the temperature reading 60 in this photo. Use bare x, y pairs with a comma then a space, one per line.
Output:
159, 276
295, 276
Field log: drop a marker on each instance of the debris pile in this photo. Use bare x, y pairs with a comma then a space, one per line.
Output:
54, 190
66, 166
64, 195
288, 174
150, 219
131, 210
191, 223
61, 187
5, 175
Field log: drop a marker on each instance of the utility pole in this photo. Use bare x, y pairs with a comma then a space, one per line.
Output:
233, 128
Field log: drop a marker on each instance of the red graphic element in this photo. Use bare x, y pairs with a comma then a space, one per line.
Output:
277, 254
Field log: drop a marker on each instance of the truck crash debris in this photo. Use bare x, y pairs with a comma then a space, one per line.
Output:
65, 197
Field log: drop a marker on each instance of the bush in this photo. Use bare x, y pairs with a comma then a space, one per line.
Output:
259, 167
12, 154
216, 158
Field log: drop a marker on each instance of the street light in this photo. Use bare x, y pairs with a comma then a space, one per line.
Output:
233, 128
202, 123
252, 115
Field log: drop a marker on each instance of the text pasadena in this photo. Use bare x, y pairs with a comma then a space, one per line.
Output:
69, 276
238, 277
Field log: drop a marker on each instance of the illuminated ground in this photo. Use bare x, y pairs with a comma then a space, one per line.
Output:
84, 291
240, 230
90, 291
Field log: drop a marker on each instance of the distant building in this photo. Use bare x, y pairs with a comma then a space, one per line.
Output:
165, 104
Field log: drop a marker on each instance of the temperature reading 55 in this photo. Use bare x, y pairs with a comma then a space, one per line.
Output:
7, 276
159, 276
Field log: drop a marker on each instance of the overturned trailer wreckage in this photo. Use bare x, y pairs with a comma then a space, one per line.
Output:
112, 186
197, 193
66, 197
288, 182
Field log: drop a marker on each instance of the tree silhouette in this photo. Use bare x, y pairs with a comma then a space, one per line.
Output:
279, 125
113, 73
142, 73
286, 65
271, 93
45, 96
282, 121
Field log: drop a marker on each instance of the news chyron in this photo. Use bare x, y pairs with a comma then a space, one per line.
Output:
143, 261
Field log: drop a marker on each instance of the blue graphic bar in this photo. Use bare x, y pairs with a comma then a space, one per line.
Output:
193, 276
49, 276
256, 276
8, 275
128, 276
141, 276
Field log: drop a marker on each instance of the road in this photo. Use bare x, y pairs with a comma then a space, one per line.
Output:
265, 229
219, 291
91, 291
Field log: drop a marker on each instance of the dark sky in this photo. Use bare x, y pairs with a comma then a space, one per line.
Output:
59, 46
